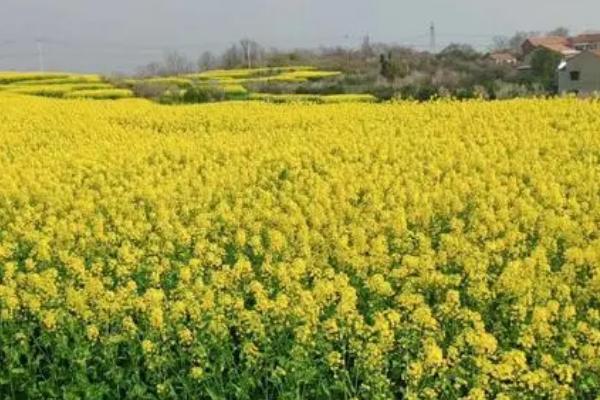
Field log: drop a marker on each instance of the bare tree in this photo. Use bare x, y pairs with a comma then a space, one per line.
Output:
501, 43
232, 57
175, 63
560, 31
512, 43
246, 50
366, 49
206, 61
250, 50
148, 70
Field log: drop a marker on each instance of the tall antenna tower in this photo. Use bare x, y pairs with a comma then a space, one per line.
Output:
432, 37
40, 48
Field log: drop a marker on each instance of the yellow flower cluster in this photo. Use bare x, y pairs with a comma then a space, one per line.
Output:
442, 250
53, 84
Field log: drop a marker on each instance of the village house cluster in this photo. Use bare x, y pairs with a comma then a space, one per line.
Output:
579, 70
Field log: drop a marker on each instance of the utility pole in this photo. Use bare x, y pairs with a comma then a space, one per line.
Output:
248, 56
432, 37
40, 48
246, 44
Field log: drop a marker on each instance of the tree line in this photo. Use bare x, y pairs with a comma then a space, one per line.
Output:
385, 70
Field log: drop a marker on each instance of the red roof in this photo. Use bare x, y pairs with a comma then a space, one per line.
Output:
549, 41
559, 48
586, 38
503, 56
558, 44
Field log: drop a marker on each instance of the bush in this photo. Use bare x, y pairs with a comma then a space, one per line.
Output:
273, 87
464, 94
204, 94
322, 88
235, 91
420, 92
150, 90
508, 90
425, 93
382, 92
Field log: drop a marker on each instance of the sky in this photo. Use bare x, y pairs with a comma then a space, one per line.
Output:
119, 35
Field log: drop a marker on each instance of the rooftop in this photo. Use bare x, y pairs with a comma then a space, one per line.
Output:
549, 41
590, 37
502, 56
560, 48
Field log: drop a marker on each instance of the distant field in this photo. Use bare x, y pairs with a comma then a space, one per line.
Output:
248, 250
237, 84
60, 85
234, 84
258, 74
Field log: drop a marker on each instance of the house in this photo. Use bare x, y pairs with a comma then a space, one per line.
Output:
556, 44
503, 58
580, 74
585, 41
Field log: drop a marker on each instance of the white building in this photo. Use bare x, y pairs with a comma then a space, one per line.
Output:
580, 74
585, 41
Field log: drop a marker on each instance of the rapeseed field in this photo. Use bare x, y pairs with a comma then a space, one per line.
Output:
299, 251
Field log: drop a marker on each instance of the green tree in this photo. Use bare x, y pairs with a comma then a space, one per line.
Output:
543, 67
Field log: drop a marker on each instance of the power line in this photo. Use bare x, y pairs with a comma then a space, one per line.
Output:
109, 46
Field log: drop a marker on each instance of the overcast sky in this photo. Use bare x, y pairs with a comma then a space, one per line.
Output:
118, 35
